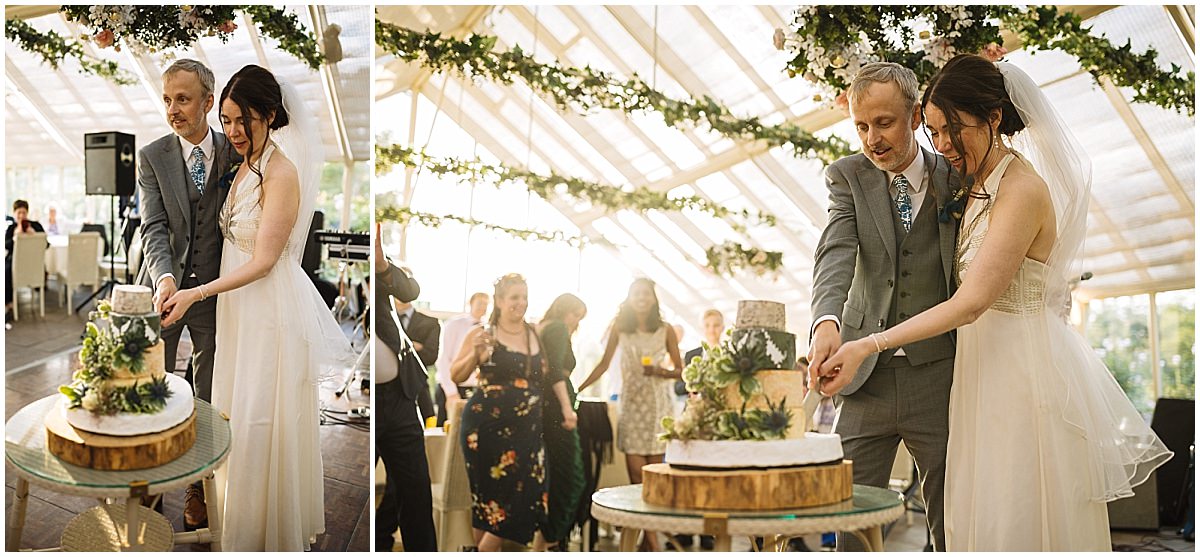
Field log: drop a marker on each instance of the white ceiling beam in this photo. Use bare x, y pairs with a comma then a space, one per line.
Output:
1184, 25
481, 134
1125, 111
397, 67
26, 94
331, 86
1142, 287
255, 40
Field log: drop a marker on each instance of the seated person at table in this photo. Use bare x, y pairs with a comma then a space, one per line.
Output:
20, 225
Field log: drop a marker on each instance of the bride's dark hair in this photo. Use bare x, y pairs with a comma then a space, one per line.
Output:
971, 85
254, 90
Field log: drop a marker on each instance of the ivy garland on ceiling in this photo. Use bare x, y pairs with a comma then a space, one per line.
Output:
554, 185
831, 43
151, 29
730, 257
587, 89
405, 216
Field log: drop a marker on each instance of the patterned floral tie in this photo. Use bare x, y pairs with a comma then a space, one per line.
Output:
903, 201
197, 170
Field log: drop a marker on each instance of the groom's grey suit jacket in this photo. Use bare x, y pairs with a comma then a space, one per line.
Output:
872, 275
179, 226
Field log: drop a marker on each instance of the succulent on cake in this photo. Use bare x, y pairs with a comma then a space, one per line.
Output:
145, 397
708, 416
113, 341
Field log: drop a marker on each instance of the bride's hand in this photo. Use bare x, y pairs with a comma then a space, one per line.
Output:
839, 370
178, 304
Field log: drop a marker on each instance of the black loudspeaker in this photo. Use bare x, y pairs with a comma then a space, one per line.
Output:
311, 260
1175, 423
110, 163
1139, 512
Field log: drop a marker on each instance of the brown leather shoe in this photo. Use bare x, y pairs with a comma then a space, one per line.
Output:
195, 513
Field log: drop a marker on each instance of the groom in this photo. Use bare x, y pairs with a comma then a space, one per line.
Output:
884, 257
179, 176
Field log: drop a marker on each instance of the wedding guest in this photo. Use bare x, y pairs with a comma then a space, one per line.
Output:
55, 223
399, 438
643, 337
424, 332
564, 458
20, 225
453, 332
501, 432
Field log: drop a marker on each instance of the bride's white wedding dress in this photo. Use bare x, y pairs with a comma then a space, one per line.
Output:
267, 362
1041, 434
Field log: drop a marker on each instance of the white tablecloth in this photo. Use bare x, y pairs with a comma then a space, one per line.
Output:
56, 255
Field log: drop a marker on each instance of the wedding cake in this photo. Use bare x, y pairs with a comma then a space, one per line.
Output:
742, 441
121, 401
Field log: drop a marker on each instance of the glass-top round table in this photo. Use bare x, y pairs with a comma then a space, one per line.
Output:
863, 515
25, 448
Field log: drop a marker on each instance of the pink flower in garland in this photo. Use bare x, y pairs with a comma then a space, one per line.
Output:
993, 52
105, 38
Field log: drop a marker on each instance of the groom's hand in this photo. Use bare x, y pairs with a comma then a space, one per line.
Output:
166, 289
826, 341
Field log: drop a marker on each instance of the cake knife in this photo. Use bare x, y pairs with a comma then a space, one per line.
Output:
812, 400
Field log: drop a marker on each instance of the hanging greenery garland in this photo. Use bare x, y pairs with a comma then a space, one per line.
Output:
831, 43
404, 216
587, 89
730, 257
149, 29
53, 49
548, 187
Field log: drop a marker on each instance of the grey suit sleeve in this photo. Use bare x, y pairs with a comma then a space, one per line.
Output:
156, 231
834, 261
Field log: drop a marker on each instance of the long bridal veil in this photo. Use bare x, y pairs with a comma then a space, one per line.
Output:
1123, 449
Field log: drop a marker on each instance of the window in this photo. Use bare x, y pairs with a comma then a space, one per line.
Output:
1119, 330
1177, 343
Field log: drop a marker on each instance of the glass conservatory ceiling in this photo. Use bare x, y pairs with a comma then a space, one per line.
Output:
47, 111
1142, 221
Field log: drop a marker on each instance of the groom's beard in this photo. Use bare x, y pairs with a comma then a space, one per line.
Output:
894, 159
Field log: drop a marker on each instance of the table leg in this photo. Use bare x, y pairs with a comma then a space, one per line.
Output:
133, 523
629, 539
215, 516
16, 520
871, 537
722, 543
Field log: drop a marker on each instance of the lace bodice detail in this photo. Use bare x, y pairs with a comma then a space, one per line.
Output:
1026, 294
241, 214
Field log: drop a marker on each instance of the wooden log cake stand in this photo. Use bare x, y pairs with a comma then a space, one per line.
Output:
748, 489
110, 452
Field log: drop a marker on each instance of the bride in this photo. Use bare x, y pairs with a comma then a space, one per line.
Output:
1041, 435
275, 337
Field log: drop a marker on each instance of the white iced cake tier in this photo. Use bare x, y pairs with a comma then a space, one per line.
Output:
813, 448
131, 299
760, 314
179, 406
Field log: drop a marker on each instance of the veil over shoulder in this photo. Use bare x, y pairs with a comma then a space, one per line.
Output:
1123, 449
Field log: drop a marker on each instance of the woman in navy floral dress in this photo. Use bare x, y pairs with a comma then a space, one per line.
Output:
501, 431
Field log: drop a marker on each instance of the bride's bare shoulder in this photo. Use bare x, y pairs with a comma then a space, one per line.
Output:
1024, 187
282, 170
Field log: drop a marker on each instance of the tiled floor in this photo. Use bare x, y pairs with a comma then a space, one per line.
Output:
41, 354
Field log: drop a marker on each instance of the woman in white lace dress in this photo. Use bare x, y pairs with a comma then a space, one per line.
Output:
275, 337
1041, 435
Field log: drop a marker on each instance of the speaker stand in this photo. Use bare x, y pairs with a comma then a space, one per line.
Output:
112, 265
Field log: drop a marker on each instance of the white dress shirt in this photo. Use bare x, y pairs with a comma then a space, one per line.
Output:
454, 330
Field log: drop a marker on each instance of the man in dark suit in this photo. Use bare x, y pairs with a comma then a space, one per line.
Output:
179, 176
399, 437
423, 330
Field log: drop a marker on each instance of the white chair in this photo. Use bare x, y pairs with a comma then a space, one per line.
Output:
29, 267
127, 264
82, 250
452, 491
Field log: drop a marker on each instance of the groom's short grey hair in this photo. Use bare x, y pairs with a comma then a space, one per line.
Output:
885, 72
188, 65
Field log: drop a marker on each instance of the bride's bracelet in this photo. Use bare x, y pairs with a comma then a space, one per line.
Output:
203, 294
875, 339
